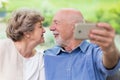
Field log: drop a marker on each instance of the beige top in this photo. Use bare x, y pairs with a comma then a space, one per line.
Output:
33, 67
15, 67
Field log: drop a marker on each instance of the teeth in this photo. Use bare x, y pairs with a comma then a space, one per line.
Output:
55, 32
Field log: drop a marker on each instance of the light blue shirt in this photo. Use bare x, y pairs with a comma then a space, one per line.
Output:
83, 63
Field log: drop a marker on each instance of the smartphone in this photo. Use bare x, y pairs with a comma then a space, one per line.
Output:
82, 30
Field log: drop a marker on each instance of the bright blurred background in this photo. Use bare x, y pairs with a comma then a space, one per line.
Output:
92, 10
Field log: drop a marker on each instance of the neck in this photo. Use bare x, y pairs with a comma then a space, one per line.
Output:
25, 49
72, 45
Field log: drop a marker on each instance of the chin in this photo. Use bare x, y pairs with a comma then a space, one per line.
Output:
59, 42
42, 41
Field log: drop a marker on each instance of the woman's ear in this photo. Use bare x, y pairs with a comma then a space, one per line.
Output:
27, 35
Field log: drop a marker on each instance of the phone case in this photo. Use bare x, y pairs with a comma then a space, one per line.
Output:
82, 30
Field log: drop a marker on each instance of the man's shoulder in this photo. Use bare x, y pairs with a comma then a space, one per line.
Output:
90, 48
87, 44
52, 51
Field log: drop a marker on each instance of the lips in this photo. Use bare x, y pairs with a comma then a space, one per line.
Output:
55, 34
42, 35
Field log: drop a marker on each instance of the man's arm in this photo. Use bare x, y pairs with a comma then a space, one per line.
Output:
114, 77
104, 37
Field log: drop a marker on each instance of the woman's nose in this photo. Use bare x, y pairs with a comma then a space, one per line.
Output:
44, 30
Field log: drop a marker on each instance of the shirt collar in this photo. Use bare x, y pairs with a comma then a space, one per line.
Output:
83, 47
58, 49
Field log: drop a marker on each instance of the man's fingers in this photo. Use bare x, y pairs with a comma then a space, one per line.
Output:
98, 38
105, 26
100, 32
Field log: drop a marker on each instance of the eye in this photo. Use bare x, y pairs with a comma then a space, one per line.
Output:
40, 26
55, 22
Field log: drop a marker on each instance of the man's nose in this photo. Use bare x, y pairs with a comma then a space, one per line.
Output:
52, 28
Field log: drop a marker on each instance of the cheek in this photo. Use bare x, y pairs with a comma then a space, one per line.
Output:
39, 32
40, 35
61, 30
68, 34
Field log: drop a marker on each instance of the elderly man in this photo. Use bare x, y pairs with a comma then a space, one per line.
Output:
75, 59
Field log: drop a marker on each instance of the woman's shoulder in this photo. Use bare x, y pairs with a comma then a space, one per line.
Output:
39, 52
5, 46
5, 43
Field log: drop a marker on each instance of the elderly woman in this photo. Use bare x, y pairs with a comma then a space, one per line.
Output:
18, 58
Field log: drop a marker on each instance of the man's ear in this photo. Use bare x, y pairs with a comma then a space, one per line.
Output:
73, 27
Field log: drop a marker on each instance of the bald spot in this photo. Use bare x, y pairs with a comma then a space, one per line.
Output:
70, 15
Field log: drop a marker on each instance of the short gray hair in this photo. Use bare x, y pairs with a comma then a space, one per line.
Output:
22, 20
